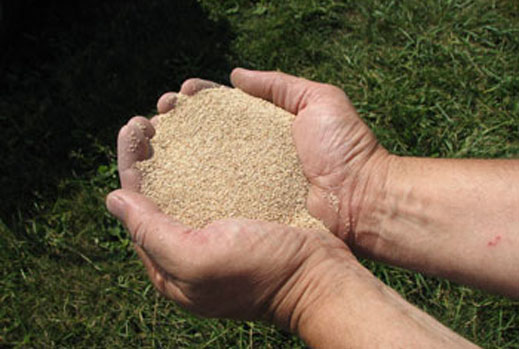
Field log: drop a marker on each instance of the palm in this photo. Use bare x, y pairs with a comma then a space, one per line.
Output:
334, 145
234, 269
323, 140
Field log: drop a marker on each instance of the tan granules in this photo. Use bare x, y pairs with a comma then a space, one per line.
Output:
222, 153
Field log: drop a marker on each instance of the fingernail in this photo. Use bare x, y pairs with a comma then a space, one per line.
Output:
116, 206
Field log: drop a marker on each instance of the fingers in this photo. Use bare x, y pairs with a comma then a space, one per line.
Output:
160, 236
162, 281
192, 86
166, 102
154, 272
133, 144
158, 254
286, 91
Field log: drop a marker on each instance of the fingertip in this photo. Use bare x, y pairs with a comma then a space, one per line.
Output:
151, 229
166, 102
133, 142
133, 145
122, 133
237, 74
116, 204
144, 125
191, 86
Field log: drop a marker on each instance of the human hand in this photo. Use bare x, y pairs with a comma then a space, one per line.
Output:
232, 268
415, 213
303, 280
339, 154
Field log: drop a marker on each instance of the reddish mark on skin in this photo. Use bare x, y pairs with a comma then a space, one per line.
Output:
494, 241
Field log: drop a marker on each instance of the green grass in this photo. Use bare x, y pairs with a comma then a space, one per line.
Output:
434, 78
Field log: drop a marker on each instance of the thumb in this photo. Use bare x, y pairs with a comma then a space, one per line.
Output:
286, 91
158, 234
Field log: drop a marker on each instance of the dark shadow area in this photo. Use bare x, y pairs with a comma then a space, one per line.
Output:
73, 72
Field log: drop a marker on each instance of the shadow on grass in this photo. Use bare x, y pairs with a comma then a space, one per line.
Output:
74, 72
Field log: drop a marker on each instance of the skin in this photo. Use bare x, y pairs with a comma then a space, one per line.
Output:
443, 217
415, 213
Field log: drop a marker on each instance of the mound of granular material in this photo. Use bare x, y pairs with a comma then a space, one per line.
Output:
223, 153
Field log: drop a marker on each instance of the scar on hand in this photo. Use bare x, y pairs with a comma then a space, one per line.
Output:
494, 241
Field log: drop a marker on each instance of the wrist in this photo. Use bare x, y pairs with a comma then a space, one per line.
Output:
331, 321
359, 311
334, 301
350, 308
327, 266
363, 195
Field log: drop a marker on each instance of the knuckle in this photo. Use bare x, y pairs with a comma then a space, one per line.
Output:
139, 232
143, 226
332, 90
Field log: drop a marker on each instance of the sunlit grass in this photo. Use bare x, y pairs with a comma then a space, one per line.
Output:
433, 78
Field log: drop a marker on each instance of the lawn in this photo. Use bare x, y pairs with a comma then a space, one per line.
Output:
432, 78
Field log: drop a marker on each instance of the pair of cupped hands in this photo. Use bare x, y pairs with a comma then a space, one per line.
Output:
247, 269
